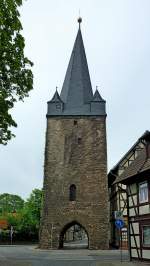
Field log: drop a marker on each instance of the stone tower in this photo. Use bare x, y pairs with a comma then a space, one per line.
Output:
75, 159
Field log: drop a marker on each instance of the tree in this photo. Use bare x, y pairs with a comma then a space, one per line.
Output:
10, 203
32, 212
16, 78
23, 216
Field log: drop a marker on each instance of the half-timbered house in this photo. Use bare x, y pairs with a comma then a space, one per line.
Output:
129, 183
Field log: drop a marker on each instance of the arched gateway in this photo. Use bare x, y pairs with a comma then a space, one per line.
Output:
73, 236
75, 170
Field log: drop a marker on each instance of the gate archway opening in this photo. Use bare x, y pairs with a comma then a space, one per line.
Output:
74, 236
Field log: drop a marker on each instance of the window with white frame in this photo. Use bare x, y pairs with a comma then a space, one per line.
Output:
146, 235
143, 192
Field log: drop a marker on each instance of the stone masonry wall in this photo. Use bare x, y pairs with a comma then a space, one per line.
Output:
75, 153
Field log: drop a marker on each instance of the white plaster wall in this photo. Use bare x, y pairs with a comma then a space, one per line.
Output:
124, 186
133, 244
134, 253
122, 203
132, 212
135, 228
134, 200
146, 254
137, 241
144, 209
125, 211
133, 188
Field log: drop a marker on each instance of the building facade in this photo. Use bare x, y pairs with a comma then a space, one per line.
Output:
133, 173
118, 202
75, 171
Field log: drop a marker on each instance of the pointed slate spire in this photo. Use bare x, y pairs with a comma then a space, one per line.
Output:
97, 97
77, 89
76, 98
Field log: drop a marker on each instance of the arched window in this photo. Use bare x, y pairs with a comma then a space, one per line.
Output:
72, 193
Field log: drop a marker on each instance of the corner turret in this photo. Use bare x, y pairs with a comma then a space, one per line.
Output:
55, 105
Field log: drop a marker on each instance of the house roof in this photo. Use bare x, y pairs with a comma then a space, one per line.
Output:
139, 164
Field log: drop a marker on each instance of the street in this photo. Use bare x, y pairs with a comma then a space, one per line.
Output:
30, 255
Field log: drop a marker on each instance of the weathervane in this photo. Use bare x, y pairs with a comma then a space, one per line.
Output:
97, 88
79, 19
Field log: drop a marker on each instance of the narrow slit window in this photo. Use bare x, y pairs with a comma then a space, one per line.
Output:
72, 193
58, 106
79, 140
75, 122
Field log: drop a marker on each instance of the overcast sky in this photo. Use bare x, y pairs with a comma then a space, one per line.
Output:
116, 36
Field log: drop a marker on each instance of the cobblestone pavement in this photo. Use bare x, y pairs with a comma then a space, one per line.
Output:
32, 256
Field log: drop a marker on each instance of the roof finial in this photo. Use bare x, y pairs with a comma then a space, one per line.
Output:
97, 89
79, 19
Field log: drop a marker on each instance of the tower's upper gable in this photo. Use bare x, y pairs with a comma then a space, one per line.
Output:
76, 96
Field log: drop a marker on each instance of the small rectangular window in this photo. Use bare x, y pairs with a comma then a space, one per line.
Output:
146, 235
79, 140
75, 122
58, 106
143, 192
